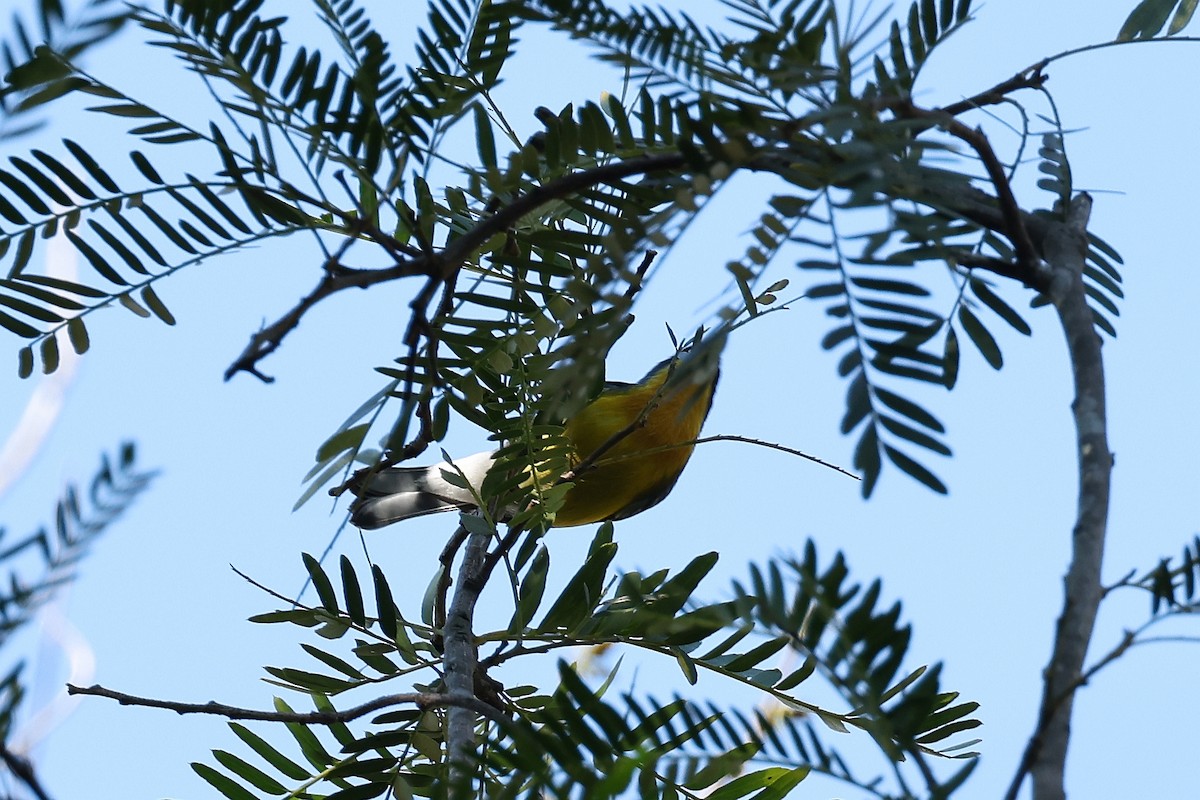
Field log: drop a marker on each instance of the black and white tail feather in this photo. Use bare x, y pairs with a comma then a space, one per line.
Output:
400, 493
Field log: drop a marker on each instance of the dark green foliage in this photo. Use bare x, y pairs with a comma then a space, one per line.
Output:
525, 252
910, 41
556, 284
648, 41
1172, 584
69, 31
1150, 16
798, 614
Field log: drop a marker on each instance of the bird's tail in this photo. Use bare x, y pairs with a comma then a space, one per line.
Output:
399, 493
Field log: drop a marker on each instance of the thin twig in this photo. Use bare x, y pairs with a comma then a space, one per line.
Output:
997, 266
1167, 640
1032, 77
335, 279
729, 437
422, 700
1130, 640
502, 656
294, 602
446, 559
501, 550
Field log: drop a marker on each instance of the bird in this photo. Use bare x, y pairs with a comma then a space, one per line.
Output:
630, 444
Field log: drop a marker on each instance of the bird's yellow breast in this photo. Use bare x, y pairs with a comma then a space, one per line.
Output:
639, 470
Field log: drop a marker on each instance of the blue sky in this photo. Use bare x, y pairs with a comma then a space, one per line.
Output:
163, 615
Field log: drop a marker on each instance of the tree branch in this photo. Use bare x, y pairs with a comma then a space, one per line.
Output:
1065, 249
335, 279
441, 267
999, 213
996, 266
446, 560
461, 658
1032, 77
1028, 261
422, 700
461, 248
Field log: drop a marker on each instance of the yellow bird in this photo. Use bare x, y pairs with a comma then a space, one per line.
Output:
657, 421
